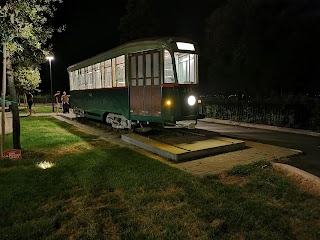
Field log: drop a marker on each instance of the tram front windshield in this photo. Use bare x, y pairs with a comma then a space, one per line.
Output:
186, 67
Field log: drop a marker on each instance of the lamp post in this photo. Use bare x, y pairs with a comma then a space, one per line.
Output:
50, 58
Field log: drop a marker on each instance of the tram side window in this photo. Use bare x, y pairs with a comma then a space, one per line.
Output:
89, 73
97, 75
168, 68
140, 70
82, 79
156, 69
114, 79
120, 71
107, 74
148, 69
76, 80
133, 71
145, 69
101, 65
71, 80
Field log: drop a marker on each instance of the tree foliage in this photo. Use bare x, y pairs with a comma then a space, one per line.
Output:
24, 30
25, 27
264, 45
28, 79
140, 21
152, 18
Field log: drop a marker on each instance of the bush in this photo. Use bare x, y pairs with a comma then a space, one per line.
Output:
288, 111
42, 98
36, 98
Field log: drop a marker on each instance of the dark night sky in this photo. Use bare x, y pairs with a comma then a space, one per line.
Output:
92, 27
84, 36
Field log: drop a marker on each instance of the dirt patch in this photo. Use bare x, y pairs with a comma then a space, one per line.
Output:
232, 179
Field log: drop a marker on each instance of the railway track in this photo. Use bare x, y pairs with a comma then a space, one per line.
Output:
156, 134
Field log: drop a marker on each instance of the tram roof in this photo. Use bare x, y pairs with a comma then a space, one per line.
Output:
133, 46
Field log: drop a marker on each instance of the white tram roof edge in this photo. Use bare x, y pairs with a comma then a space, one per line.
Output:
181, 44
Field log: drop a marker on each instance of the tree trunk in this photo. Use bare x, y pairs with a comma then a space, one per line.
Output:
14, 106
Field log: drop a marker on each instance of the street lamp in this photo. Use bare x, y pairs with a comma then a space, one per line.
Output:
50, 58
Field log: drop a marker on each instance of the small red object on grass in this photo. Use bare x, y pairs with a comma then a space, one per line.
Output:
13, 154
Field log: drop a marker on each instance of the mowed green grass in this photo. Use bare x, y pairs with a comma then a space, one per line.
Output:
38, 108
99, 190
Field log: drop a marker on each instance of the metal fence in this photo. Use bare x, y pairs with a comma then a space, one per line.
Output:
298, 115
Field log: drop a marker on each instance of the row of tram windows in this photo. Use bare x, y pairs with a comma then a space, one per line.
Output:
145, 70
107, 74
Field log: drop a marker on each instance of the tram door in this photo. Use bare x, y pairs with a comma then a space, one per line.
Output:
145, 89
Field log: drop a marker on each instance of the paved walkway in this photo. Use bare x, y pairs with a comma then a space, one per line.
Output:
254, 152
262, 126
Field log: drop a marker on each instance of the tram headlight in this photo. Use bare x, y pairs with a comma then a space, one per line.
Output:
168, 102
191, 100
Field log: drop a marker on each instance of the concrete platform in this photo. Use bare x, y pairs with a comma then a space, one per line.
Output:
181, 148
184, 148
69, 116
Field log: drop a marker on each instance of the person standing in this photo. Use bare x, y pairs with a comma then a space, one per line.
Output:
30, 103
65, 102
57, 98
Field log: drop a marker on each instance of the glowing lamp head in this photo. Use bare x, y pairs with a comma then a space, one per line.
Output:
168, 102
49, 58
191, 100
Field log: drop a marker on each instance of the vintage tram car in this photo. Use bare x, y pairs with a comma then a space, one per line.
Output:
141, 82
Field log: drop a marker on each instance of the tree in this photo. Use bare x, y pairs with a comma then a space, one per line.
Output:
151, 18
140, 21
24, 27
231, 46
264, 46
26, 79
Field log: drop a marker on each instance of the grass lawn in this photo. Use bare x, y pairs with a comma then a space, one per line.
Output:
99, 190
38, 108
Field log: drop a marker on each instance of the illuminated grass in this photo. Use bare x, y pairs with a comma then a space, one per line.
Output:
45, 165
38, 108
99, 190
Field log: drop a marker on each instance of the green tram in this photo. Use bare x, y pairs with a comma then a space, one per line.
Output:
149, 81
